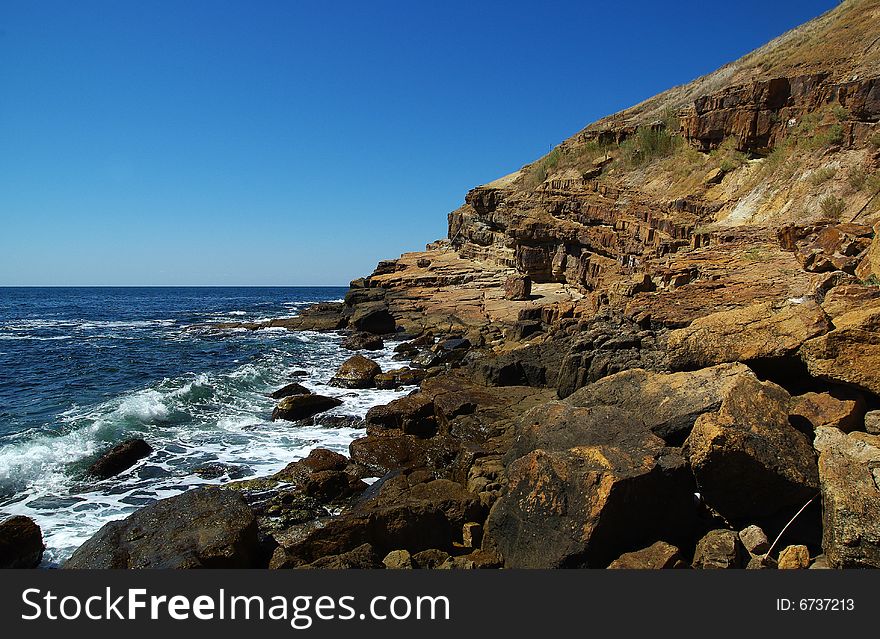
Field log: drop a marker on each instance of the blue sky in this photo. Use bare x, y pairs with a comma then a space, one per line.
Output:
284, 143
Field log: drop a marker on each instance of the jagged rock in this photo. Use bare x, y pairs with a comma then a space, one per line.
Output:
363, 341
298, 407
719, 549
850, 354
356, 372
668, 403
472, 534
754, 540
761, 562
657, 556
412, 414
518, 287
321, 475
201, 528
584, 505
406, 514
849, 473
741, 335
289, 390
872, 422
373, 317
398, 560
431, 558
748, 460
823, 409
870, 264
392, 450
21, 543
360, 558
120, 458
794, 558
398, 377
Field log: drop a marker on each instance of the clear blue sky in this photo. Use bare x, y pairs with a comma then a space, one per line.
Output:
281, 143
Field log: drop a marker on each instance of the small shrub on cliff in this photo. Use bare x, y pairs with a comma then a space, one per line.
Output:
832, 207
820, 176
874, 140
857, 177
573, 156
727, 157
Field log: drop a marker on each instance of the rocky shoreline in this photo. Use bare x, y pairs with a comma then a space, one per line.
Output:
625, 357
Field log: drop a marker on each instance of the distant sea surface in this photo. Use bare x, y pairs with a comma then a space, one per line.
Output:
82, 369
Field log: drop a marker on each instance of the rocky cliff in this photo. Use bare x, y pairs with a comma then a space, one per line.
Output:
657, 346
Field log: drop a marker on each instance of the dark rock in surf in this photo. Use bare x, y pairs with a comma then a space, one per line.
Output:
21, 543
201, 528
298, 407
120, 458
289, 390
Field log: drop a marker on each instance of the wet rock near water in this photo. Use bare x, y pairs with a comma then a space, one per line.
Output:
298, 407
21, 543
201, 528
356, 372
293, 388
120, 458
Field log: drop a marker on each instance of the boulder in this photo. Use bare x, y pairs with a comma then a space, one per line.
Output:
364, 557
373, 317
518, 287
748, 460
794, 558
120, 458
322, 475
201, 528
823, 409
289, 390
850, 354
431, 558
668, 403
657, 556
298, 407
363, 341
398, 560
754, 540
849, 473
872, 422
719, 549
412, 414
744, 334
407, 513
398, 377
356, 372
21, 543
384, 452
583, 505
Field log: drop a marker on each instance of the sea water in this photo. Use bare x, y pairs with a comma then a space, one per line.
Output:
82, 369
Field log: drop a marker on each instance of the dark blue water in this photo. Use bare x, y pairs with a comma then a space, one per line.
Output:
84, 368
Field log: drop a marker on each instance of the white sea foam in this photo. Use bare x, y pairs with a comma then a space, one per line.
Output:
193, 420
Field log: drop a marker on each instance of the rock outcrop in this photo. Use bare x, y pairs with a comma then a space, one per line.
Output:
21, 543
297, 407
120, 458
201, 528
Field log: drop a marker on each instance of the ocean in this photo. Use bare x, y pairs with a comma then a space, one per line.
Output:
82, 369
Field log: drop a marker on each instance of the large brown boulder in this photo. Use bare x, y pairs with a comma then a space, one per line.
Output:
744, 334
657, 556
850, 354
412, 414
373, 317
747, 458
120, 458
383, 452
407, 513
668, 403
849, 473
720, 549
583, 505
201, 528
356, 372
21, 543
518, 287
297, 407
